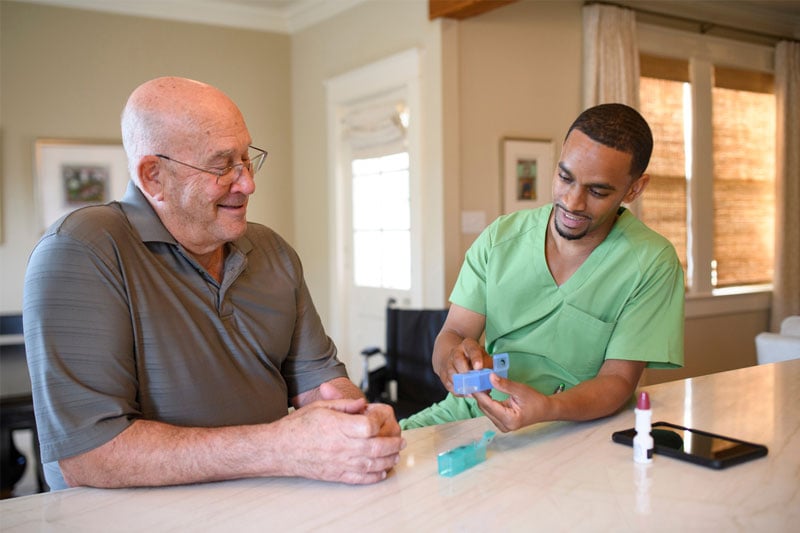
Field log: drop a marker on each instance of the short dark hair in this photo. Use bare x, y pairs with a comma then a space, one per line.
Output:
620, 127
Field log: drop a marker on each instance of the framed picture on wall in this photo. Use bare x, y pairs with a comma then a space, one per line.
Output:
527, 171
75, 173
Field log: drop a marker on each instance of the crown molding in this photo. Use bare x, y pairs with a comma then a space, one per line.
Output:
286, 18
305, 13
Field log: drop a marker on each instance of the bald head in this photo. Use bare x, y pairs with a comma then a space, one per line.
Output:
166, 115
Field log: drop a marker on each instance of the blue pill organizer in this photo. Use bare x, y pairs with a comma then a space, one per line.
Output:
478, 380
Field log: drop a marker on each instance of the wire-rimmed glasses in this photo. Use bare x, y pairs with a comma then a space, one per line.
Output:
230, 174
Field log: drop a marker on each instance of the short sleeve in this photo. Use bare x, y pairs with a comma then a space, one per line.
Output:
470, 288
79, 346
650, 327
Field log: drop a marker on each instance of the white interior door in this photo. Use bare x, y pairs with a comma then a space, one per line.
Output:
379, 262
376, 215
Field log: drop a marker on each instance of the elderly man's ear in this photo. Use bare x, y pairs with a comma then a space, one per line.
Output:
150, 177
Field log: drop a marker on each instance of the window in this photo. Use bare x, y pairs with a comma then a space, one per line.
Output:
743, 120
713, 168
382, 222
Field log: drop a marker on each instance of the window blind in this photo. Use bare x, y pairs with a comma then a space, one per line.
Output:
664, 203
744, 185
743, 133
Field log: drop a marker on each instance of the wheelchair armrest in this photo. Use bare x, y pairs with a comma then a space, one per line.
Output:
373, 381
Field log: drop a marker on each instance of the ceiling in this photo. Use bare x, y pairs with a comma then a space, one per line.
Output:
775, 17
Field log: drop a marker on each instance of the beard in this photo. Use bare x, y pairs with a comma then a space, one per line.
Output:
564, 232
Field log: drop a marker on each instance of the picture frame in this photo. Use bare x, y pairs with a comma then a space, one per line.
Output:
73, 173
527, 170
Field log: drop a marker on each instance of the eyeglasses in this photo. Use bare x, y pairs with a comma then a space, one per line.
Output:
230, 174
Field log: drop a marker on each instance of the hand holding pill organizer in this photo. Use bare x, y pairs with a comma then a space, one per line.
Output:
478, 380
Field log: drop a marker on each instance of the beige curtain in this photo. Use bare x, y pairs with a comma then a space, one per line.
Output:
786, 280
610, 56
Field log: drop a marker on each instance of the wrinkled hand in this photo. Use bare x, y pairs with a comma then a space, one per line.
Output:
342, 440
467, 355
389, 426
329, 391
523, 407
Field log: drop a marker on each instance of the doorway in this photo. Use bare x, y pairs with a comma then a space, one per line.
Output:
377, 220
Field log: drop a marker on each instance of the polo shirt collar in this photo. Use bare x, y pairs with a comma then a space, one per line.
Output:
142, 217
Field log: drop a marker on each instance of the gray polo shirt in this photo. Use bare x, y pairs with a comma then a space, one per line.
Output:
121, 323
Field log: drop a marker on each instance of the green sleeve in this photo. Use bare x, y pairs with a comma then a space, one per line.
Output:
450, 409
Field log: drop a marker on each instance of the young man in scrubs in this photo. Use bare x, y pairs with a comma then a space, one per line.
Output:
580, 293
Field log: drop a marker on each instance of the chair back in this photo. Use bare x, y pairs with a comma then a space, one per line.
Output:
410, 335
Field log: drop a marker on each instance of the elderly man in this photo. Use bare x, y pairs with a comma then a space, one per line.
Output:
167, 336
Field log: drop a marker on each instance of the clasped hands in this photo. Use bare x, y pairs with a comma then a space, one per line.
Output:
524, 405
343, 439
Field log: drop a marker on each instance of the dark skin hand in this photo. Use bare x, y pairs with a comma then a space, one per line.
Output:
594, 398
456, 349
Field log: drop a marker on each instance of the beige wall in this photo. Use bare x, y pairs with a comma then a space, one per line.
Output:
512, 72
519, 77
66, 73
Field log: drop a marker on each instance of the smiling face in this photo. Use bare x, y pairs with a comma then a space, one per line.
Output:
197, 124
200, 214
591, 182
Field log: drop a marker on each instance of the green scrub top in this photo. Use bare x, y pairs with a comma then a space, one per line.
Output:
626, 301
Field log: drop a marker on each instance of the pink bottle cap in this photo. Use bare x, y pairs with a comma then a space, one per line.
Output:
643, 402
